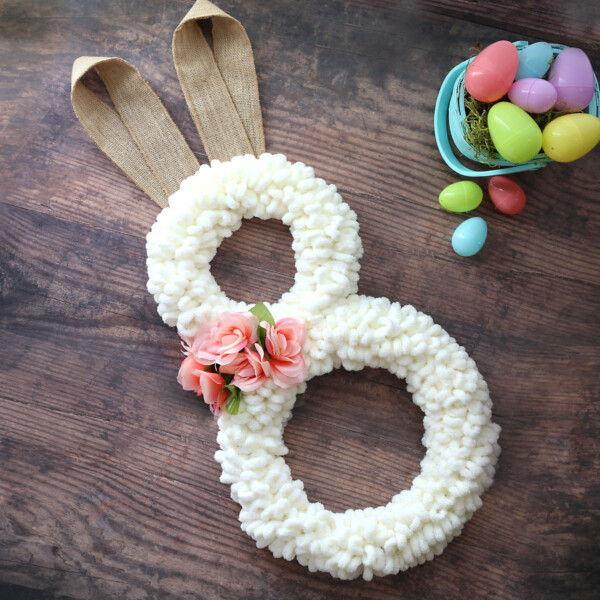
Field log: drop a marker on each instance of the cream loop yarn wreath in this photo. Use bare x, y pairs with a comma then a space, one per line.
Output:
343, 330
204, 204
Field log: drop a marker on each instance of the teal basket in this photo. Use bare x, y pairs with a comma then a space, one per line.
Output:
450, 117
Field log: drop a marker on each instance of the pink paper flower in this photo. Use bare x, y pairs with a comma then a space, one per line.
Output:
248, 369
226, 358
220, 343
284, 343
211, 388
189, 374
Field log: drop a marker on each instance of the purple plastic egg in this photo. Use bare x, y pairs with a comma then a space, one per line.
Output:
533, 95
573, 77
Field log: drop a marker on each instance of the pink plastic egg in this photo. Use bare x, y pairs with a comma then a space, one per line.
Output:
533, 95
492, 71
508, 197
573, 77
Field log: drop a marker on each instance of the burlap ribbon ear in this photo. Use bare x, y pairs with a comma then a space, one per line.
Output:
220, 89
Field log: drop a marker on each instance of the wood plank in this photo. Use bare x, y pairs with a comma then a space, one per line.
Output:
98, 268
569, 23
103, 479
396, 122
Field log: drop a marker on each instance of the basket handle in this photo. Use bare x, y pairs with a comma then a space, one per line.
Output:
440, 125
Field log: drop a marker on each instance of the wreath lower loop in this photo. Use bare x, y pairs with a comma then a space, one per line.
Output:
459, 464
211, 205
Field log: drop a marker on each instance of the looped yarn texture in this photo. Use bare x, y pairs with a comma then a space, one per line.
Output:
210, 206
343, 330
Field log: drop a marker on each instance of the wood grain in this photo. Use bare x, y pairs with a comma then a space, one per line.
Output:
108, 486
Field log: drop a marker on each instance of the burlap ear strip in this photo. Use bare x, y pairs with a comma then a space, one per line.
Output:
220, 89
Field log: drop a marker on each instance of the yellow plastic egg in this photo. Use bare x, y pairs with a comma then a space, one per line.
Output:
571, 136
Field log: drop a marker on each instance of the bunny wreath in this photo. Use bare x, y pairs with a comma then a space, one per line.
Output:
203, 205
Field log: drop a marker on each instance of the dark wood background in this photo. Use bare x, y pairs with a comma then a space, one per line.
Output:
108, 487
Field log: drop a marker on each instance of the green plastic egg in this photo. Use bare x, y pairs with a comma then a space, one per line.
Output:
571, 136
461, 196
515, 134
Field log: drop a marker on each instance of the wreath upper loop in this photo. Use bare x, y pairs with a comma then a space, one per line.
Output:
211, 204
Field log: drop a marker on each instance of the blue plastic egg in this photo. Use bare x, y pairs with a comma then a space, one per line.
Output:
469, 237
534, 61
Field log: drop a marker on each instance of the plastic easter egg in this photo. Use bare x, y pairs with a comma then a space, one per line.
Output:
492, 72
533, 95
573, 77
507, 195
468, 238
461, 196
571, 136
534, 61
515, 134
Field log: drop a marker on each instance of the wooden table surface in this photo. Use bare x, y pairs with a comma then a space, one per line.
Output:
108, 486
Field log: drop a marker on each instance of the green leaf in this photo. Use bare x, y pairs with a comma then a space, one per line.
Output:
227, 377
260, 311
261, 333
232, 406
233, 403
233, 390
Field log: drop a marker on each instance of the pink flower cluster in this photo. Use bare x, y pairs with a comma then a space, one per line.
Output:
229, 354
